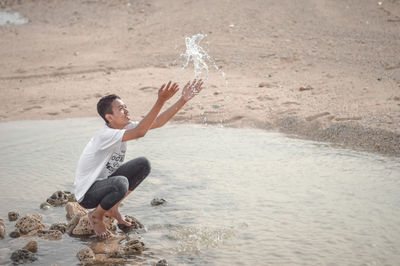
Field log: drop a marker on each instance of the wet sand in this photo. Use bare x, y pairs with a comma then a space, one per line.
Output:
324, 70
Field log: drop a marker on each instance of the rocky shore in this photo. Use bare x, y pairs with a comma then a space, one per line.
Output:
117, 250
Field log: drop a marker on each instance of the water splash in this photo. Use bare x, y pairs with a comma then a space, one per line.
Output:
199, 57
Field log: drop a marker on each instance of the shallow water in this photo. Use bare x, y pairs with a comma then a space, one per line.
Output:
234, 196
8, 18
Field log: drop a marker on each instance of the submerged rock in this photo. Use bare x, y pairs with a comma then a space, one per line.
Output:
86, 254
157, 201
62, 227
2, 229
136, 225
32, 246
21, 256
49, 234
111, 251
13, 216
58, 198
14, 234
30, 223
107, 246
162, 262
134, 246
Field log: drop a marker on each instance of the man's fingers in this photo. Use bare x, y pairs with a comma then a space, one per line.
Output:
167, 87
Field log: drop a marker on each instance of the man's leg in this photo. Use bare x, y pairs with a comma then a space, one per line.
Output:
96, 221
135, 171
103, 195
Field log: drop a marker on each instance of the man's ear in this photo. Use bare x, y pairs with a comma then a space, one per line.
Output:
108, 117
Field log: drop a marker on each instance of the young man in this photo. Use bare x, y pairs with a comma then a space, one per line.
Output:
101, 180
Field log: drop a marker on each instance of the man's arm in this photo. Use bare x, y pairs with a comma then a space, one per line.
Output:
164, 93
189, 91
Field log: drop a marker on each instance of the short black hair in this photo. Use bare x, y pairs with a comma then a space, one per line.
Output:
104, 106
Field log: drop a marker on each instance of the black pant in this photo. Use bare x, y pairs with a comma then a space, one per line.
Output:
110, 191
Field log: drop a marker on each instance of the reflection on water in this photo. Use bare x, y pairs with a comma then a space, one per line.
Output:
234, 196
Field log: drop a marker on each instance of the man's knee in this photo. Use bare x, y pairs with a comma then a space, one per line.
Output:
121, 184
145, 163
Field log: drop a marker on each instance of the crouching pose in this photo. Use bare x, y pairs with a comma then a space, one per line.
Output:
102, 180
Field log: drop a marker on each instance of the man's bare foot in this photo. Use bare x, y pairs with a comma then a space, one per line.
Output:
98, 226
114, 212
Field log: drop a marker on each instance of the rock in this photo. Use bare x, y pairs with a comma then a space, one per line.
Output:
117, 253
162, 262
29, 223
216, 92
13, 216
45, 206
59, 198
84, 228
2, 229
136, 225
15, 234
306, 88
71, 198
74, 221
86, 254
267, 85
134, 246
62, 227
111, 251
22, 256
32, 246
157, 201
73, 208
49, 234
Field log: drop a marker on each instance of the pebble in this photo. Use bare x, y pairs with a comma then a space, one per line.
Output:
32, 246
15, 234
157, 201
162, 262
45, 206
22, 256
13, 216
62, 227
86, 254
50, 234
306, 88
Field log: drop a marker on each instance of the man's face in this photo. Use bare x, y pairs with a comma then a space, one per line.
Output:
120, 116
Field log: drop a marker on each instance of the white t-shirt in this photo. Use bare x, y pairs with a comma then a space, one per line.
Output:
104, 153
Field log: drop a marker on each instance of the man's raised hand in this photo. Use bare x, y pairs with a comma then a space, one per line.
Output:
167, 91
191, 89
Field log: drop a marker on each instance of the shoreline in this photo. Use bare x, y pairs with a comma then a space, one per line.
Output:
321, 71
348, 136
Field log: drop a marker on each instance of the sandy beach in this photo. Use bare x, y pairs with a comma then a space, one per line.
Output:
321, 70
